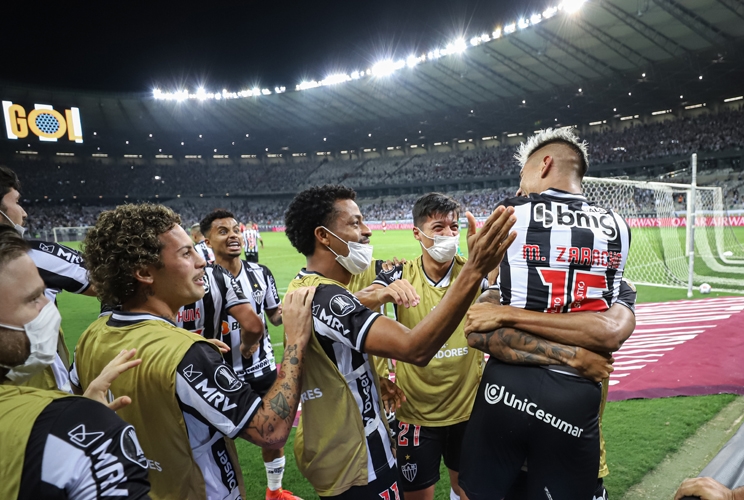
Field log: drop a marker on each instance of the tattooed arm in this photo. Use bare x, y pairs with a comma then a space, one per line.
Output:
271, 424
518, 347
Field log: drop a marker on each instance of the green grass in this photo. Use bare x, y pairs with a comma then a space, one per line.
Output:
639, 433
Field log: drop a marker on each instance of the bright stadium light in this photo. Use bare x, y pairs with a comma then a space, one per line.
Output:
535, 19
387, 67
496, 33
549, 12
510, 28
572, 6
523, 23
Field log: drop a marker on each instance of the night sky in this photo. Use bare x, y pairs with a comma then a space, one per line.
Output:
134, 46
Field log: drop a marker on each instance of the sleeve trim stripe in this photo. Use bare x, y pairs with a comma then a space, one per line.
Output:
362, 335
247, 419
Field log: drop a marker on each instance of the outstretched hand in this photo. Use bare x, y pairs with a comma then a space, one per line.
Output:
99, 387
487, 247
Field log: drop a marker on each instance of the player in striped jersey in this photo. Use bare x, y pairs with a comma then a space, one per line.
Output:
252, 355
60, 267
54, 444
569, 256
198, 238
342, 445
251, 239
185, 400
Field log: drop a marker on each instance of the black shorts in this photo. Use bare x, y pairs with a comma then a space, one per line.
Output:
528, 413
262, 385
518, 491
421, 448
251, 257
385, 486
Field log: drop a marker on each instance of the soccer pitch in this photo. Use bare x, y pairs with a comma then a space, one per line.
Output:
638, 433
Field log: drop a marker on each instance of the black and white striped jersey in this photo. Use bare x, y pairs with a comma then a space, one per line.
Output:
60, 267
205, 316
79, 449
569, 254
259, 287
205, 251
250, 240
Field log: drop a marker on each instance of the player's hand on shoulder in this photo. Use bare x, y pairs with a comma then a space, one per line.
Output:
488, 246
705, 488
484, 317
392, 395
593, 366
389, 265
99, 387
220, 345
399, 292
297, 314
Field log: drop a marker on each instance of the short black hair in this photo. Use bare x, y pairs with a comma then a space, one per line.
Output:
206, 223
8, 180
12, 245
434, 203
311, 208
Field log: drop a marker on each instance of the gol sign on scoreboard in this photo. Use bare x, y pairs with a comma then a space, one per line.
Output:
43, 121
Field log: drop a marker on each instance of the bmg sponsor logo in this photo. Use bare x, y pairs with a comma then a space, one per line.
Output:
43, 121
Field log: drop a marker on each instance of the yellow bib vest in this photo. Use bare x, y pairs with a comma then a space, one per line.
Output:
154, 412
330, 445
443, 392
19, 409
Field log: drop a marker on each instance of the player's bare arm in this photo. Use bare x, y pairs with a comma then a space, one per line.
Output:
600, 332
388, 338
270, 426
707, 488
251, 327
275, 315
519, 347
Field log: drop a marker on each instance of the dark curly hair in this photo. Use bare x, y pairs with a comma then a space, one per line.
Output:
12, 245
206, 224
311, 208
122, 241
8, 180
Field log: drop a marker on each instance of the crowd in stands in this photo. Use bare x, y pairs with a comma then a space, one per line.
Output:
50, 190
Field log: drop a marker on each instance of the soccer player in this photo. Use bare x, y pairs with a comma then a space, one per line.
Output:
254, 363
431, 422
198, 238
55, 446
60, 267
251, 239
342, 445
569, 257
185, 400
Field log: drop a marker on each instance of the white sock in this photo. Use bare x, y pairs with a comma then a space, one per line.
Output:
453, 495
275, 473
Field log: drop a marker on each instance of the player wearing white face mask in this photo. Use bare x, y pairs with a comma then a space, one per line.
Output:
51, 442
431, 422
342, 444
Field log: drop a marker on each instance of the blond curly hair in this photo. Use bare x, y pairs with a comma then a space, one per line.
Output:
123, 241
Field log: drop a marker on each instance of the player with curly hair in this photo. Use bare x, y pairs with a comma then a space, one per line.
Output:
185, 400
342, 445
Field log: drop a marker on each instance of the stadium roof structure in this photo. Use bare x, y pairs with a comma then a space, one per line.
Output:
610, 58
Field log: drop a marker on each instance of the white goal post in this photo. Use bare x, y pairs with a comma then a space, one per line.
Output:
665, 220
77, 233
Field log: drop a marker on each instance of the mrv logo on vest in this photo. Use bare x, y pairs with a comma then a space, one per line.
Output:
563, 216
43, 121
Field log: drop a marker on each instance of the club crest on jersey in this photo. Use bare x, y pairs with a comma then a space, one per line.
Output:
258, 296
226, 379
409, 471
81, 437
563, 216
341, 305
131, 448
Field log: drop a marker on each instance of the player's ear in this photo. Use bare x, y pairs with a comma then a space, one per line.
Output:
545, 166
144, 275
206, 241
416, 234
321, 234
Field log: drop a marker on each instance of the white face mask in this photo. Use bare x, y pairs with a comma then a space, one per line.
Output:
42, 332
359, 258
20, 229
444, 248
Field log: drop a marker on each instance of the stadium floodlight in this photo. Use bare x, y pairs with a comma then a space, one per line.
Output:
523, 23
535, 19
510, 28
355, 75
571, 6
549, 12
387, 67
496, 33
732, 99
475, 41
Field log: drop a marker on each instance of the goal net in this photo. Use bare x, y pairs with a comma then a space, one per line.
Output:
70, 233
657, 214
